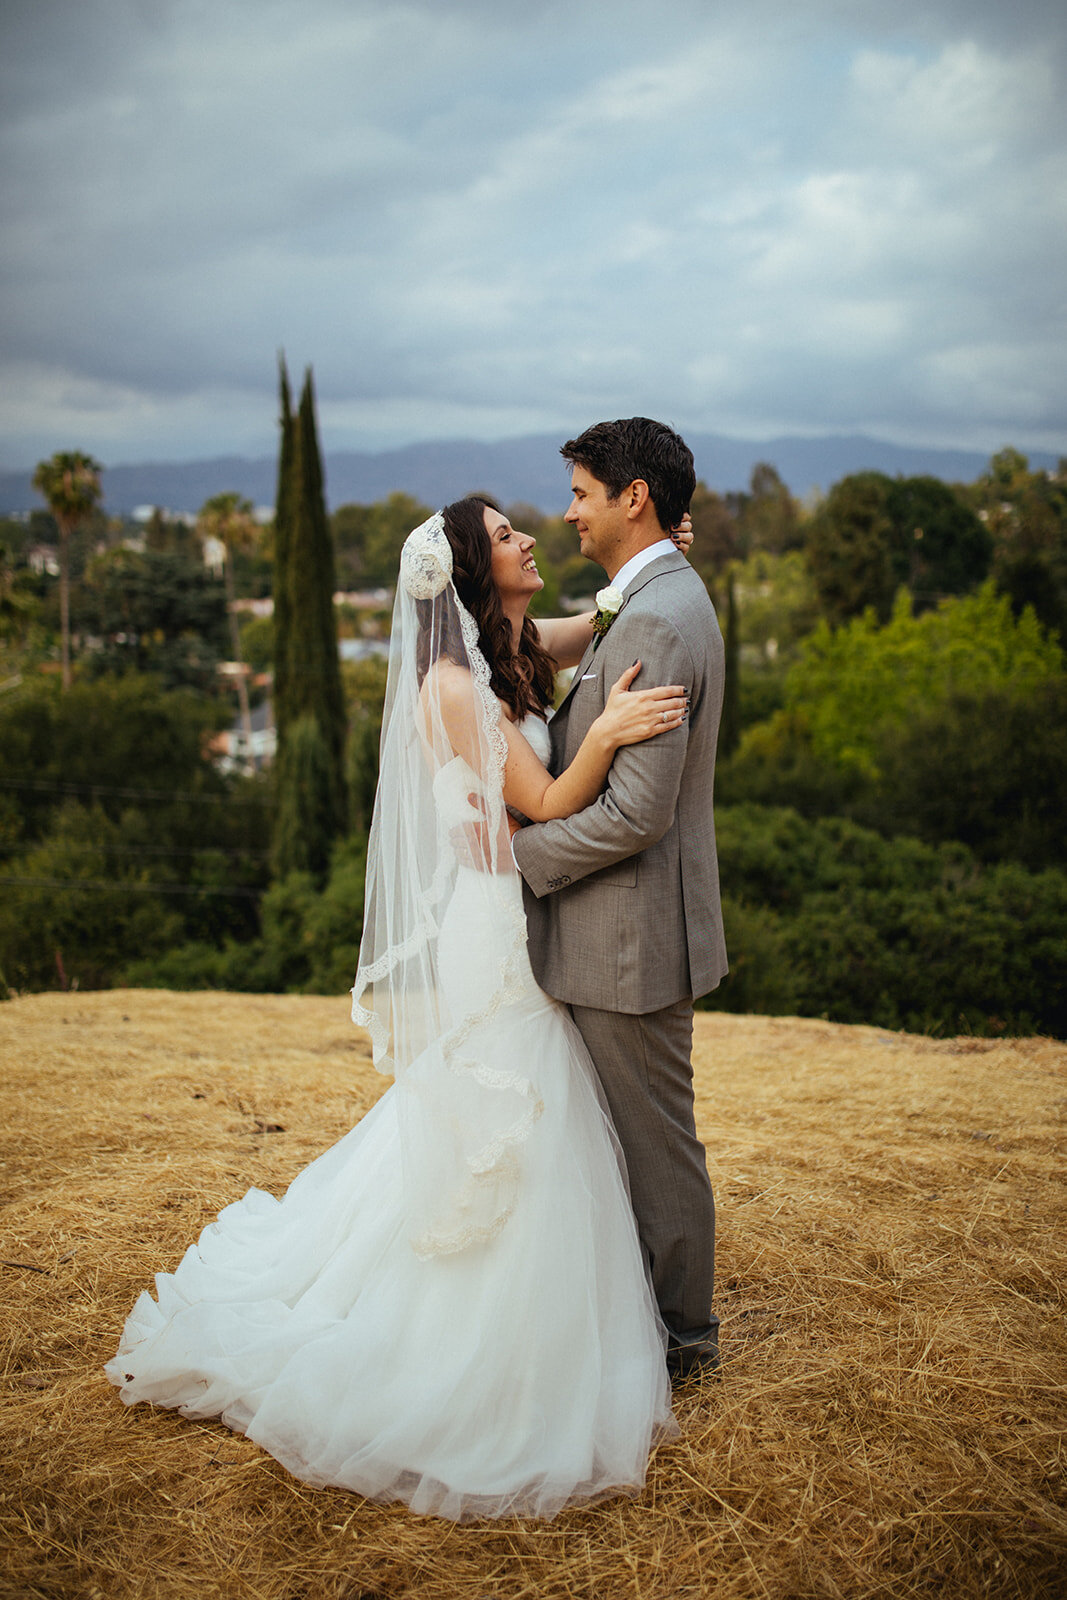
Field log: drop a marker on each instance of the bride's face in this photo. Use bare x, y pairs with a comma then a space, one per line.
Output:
514, 568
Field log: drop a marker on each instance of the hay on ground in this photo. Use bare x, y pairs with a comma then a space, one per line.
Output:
892, 1250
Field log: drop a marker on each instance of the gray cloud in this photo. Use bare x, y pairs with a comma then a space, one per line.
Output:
748, 218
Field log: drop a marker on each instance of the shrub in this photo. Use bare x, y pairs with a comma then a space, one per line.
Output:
309, 943
826, 918
988, 768
860, 684
76, 911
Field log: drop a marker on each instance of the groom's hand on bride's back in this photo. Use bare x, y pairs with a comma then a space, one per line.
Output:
471, 841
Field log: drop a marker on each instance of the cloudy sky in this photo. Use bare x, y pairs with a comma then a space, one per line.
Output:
479, 218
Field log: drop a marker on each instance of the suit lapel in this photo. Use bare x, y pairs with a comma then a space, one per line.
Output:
670, 561
577, 677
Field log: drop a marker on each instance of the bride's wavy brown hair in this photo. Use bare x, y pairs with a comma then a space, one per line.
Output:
523, 680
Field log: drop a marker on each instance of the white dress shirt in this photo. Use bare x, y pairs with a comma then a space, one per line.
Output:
627, 573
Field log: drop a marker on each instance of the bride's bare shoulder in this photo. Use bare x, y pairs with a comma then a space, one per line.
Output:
449, 686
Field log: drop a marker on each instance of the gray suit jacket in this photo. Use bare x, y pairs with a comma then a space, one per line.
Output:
622, 899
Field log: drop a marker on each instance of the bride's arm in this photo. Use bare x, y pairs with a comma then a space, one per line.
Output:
628, 718
565, 638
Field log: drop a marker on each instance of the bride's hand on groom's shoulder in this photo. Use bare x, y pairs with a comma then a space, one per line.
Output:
683, 534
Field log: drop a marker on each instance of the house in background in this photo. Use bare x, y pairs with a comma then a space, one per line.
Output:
234, 751
42, 558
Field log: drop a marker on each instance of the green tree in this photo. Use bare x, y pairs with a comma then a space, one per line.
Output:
768, 516
829, 919
281, 541
348, 525
849, 546
715, 542
227, 520
171, 536
986, 766
306, 656
114, 736
67, 917
18, 606
305, 823
855, 684
1026, 516
118, 834
370, 538
257, 643
365, 692
730, 726
873, 535
778, 603
70, 482
855, 692
15, 537
309, 942
940, 547
157, 612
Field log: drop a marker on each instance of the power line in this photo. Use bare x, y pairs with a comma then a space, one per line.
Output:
42, 786
130, 888
75, 845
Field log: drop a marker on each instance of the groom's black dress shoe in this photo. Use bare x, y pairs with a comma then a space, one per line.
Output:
691, 1363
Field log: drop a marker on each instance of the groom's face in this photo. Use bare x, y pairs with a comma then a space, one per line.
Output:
600, 522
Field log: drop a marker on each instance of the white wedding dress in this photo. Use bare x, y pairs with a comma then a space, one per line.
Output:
514, 1374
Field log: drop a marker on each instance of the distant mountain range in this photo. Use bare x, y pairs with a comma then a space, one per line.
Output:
527, 469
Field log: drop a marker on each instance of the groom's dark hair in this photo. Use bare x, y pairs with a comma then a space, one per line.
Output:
636, 447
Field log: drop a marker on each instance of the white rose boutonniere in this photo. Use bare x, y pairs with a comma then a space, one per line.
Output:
608, 604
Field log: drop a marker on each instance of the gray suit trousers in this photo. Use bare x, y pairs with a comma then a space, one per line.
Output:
645, 1069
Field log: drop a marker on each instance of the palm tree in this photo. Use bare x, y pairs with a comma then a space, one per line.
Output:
230, 520
70, 482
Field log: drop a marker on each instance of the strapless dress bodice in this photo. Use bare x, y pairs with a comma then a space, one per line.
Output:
456, 786
537, 736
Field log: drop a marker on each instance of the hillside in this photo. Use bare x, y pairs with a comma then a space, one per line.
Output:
527, 469
893, 1239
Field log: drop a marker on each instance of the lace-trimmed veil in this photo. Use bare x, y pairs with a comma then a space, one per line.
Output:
435, 970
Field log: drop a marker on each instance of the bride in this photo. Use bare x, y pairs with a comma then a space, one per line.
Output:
450, 1307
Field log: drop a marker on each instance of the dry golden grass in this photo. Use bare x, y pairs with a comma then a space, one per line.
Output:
890, 1417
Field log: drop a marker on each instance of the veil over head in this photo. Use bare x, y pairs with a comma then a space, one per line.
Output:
443, 929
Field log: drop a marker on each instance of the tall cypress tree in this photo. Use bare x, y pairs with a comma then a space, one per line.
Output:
283, 527
311, 727
315, 676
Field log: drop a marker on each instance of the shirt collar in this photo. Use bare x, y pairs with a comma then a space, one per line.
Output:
627, 573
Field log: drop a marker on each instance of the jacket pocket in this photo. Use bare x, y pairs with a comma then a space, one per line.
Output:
623, 875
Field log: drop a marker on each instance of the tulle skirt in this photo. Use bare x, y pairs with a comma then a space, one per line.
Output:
516, 1376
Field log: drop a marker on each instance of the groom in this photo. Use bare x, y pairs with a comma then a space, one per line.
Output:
622, 899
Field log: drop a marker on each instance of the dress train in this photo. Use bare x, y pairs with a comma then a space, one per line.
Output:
515, 1376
